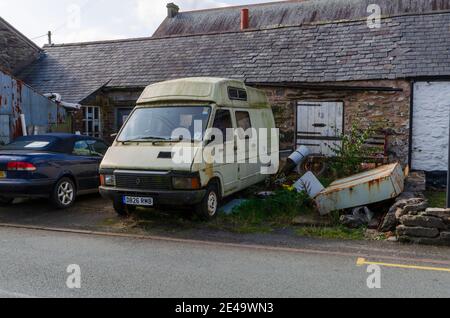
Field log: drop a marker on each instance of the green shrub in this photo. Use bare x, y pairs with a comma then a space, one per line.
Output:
352, 153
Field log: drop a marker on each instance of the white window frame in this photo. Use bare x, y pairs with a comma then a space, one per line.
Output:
87, 119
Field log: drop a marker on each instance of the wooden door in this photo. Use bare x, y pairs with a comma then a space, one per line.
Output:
320, 126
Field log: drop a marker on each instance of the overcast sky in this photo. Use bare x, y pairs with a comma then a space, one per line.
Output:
97, 19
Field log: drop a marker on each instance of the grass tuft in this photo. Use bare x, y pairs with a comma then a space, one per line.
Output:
336, 233
264, 215
437, 199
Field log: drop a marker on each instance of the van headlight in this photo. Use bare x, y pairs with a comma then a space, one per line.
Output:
108, 180
183, 183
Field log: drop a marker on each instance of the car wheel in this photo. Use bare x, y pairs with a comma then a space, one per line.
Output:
5, 201
209, 207
64, 194
122, 209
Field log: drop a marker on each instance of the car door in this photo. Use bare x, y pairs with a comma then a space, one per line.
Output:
86, 171
229, 168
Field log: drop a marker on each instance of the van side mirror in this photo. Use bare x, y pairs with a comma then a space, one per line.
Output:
210, 140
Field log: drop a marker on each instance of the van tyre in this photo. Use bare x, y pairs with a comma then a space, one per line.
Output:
64, 194
5, 201
122, 209
209, 207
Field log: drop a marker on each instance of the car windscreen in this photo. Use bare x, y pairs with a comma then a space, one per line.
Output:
160, 123
32, 143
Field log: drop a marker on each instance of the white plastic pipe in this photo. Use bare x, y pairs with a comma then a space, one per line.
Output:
300, 155
296, 159
24, 125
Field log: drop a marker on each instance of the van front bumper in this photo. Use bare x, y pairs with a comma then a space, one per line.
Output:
161, 198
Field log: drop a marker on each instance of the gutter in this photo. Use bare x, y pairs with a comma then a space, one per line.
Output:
328, 87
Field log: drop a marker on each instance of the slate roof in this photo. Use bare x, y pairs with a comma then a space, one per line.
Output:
16, 50
405, 46
288, 13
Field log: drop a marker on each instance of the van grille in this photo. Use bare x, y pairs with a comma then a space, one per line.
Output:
143, 182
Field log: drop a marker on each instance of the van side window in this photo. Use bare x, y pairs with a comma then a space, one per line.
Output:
244, 121
223, 122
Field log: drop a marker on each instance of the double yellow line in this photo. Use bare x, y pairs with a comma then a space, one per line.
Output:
364, 262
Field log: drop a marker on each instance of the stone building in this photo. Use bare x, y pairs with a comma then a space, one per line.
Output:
16, 50
324, 64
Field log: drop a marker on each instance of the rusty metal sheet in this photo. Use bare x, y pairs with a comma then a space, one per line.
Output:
4, 129
370, 187
17, 98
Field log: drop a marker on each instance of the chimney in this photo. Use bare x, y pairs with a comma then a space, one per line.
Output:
245, 19
172, 10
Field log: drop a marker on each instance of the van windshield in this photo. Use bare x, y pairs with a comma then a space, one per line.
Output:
161, 123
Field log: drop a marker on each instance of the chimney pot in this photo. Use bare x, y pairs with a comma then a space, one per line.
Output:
245, 19
172, 10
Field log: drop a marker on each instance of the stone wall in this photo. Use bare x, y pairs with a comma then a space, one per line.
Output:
430, 227
387, 111
16, 51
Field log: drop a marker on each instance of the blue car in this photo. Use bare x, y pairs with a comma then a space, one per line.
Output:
55, 166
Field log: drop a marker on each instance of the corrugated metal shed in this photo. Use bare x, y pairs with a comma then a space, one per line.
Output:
41, 114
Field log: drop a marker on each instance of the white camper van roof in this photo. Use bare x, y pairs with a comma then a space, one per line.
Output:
220, 91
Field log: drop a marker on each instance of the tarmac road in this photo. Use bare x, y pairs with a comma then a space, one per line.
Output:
34, 263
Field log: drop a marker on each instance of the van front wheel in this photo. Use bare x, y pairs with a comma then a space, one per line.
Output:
209, 206
5, 201
121, 209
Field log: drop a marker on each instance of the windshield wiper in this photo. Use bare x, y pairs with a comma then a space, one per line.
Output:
152, 138
143, 138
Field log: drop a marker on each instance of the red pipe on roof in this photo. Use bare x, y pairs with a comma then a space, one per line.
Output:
245, 19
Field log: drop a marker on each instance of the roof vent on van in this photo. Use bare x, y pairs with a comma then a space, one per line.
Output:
237, 94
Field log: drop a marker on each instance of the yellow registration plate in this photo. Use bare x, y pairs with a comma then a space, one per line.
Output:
2, 174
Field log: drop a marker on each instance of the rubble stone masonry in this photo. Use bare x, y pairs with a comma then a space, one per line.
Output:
388, 111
